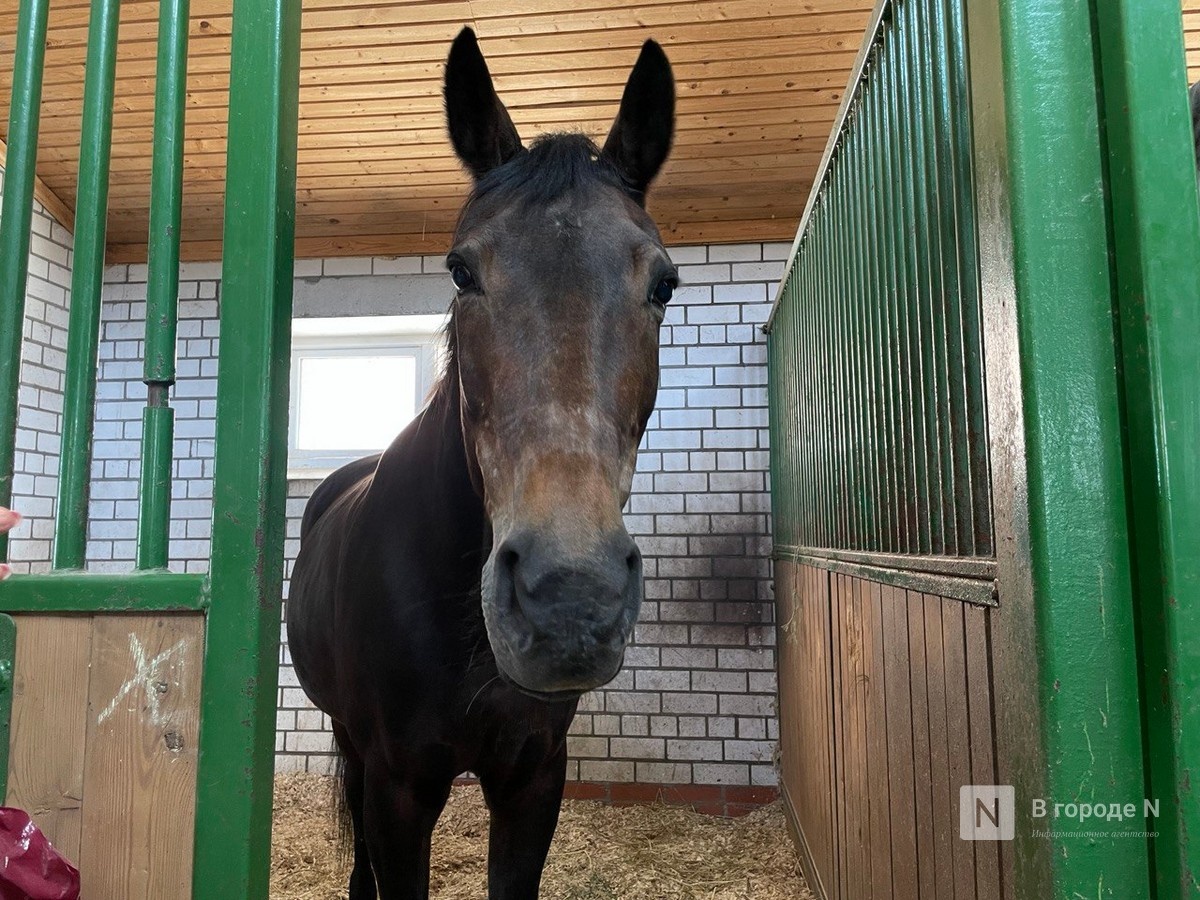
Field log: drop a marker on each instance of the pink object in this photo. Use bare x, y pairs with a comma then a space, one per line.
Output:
30, 867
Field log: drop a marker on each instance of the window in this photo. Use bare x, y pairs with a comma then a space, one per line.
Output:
356, 383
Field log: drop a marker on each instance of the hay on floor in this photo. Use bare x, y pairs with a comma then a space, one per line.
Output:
599, 852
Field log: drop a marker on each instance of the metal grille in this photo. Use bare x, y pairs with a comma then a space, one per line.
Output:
878, 406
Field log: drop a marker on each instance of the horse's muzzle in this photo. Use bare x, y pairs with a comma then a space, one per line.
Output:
559, 624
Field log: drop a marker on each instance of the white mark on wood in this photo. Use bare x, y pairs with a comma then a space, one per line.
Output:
145, 676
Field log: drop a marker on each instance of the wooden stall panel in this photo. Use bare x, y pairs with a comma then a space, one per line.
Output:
103, 746
140, 771
886, 709
805, 698
49, 725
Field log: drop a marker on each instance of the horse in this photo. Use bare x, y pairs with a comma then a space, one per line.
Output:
1194, 94
454, 596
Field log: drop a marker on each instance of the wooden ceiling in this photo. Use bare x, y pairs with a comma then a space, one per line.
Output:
759, 84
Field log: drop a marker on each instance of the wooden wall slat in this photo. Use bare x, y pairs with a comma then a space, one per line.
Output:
902, 790
143, 718
915, 608
837, 738
958, 732
982, 719
48, 732
878, 752
945, 795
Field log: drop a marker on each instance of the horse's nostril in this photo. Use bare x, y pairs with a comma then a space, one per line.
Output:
633, 562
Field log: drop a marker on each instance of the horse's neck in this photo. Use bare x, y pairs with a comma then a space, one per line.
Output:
428, 478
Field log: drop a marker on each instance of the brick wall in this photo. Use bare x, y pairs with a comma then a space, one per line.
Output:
695, 701
40, 397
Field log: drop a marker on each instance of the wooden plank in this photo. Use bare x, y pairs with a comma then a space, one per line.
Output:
858, 824
958, 732
58, 209
944, 795
976, 624
902, 791
921, 739
49, 725
878, 751
140, 776
838, 738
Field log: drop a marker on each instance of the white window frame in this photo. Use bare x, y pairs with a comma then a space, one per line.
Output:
415, 337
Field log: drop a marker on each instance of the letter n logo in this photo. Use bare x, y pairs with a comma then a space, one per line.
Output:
986, 812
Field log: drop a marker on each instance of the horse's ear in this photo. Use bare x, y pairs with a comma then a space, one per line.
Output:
481, 130
641, 136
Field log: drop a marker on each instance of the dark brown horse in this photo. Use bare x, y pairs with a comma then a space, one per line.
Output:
455, 596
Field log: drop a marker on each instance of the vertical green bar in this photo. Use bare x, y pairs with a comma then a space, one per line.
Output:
237, 731
924, 289
87, 277
15, 221
1156, 243
166, 193
906, 298
1079, 530
939, 297
953, 296
162, 289
970, 283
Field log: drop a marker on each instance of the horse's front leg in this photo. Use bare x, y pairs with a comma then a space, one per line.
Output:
398, 817
524, 816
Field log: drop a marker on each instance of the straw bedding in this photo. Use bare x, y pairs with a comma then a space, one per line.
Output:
599, 852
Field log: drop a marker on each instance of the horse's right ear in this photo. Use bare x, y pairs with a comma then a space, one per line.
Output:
481, 130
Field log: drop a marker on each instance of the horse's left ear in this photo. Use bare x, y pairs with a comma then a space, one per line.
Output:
481, 129
641, 136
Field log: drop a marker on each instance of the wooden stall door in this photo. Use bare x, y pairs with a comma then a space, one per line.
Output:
104, 734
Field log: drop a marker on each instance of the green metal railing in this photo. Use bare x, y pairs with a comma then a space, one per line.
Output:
240, 596
1046, 207
877, 337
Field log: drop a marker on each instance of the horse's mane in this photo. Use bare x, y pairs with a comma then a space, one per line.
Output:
552, 165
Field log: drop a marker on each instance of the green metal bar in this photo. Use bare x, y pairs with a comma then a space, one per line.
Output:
1088, 689
1156, 242
939, 294
921, 313
154, 495
960, 488
8, 663
16, 219
862, 459
166, 192
970, 284
162, 289
87, 276
74, 592
877, 437
891, 291
918, 494
237, 729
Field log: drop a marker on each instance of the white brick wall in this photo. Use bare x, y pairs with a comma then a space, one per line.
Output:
40, 398
695, 702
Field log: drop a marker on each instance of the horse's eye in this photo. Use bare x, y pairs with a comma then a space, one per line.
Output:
461, 276
663, 291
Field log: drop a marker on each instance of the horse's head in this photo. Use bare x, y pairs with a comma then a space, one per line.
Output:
562, 282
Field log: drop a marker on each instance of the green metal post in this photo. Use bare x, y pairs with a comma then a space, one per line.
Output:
87, 277
15, 222
1156, 244
1088, 691
237, 731
162, 290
